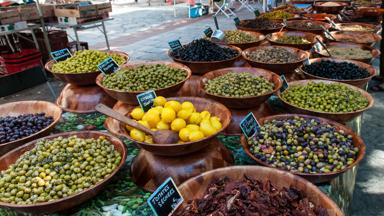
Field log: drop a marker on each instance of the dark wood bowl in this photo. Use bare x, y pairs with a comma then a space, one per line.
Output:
291, 26
130, 97
243, 102
244, 46
371, 27
314, 178
277, 68
196, 187
365, 38
321, 8
70, 201
307, 35
29, 107
81, 79
339, 117
203, 67
374, 52
263, 30
215, 108
83, 99
320, 16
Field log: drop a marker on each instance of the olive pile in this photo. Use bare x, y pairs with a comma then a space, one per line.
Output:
204, 50
16, 127
303, 145
278, 14
336, 70
238, 85
239, 37
292, 39
260, 24
84, 61
273, 55
144, 77
58, 168
306, 25
325, 97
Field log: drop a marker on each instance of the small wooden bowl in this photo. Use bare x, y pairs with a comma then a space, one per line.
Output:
365, 38
196, 187
320, 16
244, 46
80, 79
70, 201
371, 27
320, 177
130, 97
243, 102
374, 52
306, 35
201, 104
339, 117
291, 26
29, 107
321, 8
263, 30
203, 67
277, 68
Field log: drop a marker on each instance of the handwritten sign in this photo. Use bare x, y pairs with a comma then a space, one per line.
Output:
145, 100
108, 66
165, 200
257, 13
249, 125
61, 55
237, 20
285, 84
208, 32
175, 45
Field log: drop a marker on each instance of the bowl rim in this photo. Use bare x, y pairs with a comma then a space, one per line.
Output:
326, 25
185, 68
55, 120
348, 131
253, 33
376, 37
66, 134
306, 35
365, 94
253, 69
340, 4
356, 45
372, 27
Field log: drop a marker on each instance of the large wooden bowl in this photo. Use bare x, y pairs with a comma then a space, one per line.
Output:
307, 35
130, 97
320, 177
339, 117
320, 16
243, 102
260, 37
201, 104
285, 68
195, 188
70, 201
81, 79
374, 52
321, 8
264, 30
371, 27
29, 107
291, 26
365, 38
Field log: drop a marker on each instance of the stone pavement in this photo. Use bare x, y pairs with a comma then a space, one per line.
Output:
150, 45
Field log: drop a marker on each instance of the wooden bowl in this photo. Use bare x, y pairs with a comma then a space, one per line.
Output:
29, 107
82, 99
81, 79
203, 67
365, 38
130, 97
70, 201
307, 35
375, 52
339, 117
291, 25
321, 8
243, 102
195, 188
371, 27
320, 16
265, 30
320, 177
201, 104
285, 68
244, 46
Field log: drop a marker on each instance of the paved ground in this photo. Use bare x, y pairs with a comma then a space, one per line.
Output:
152, 45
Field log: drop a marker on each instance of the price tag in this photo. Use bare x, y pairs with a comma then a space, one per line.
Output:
175, 45
145, 100
208, 32
237, 20
249, 125
285, 84
257, 13
339, 17
108, 66
306, 61
269, 7
379, 31
61, 55
165, 200
327, 33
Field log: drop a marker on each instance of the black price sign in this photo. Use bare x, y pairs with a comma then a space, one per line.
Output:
208, 32
175, 45
249, 125
257, 13
108, 66
165, 200
146, 99
237, 20
285, 84
61, 55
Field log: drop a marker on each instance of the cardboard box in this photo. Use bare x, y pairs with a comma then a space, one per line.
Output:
48, 10
9, 16
75, 11
29, 12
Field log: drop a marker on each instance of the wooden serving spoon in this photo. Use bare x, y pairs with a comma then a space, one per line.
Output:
159, 136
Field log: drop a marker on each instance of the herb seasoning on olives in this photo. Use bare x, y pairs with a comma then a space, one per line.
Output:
273, 55
292, 39
260, 24
239, 37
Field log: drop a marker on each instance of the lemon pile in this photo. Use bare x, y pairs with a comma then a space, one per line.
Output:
173, 115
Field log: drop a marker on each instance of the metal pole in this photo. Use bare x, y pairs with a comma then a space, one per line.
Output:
43, 27
105, 34
77, 38
381, 72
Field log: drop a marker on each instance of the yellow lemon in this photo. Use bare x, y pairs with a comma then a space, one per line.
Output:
137, 113
137, 135
148, 139
195, 118
128, 128
216, 123
159, 101
205, 114
180, 142
184, 134
154, 110
144, 123
195, 135
207, 128
184, 114
193, 127
178, 124
159, 109
188, 106
215, 118
162, 126
168, 115
152, 118
175, 105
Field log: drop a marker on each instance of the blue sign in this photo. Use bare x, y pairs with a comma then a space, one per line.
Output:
108, 66
61, 55
208, 32
237, 20
175, 45
146, 99
284, 86
257, 13
249, 125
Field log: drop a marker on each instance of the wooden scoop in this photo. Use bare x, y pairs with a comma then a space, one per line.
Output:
159, 137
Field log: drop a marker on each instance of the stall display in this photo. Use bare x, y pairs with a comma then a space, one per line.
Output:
277, 15
367, 38
243, 39
297, 39
261, 25
315, 27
